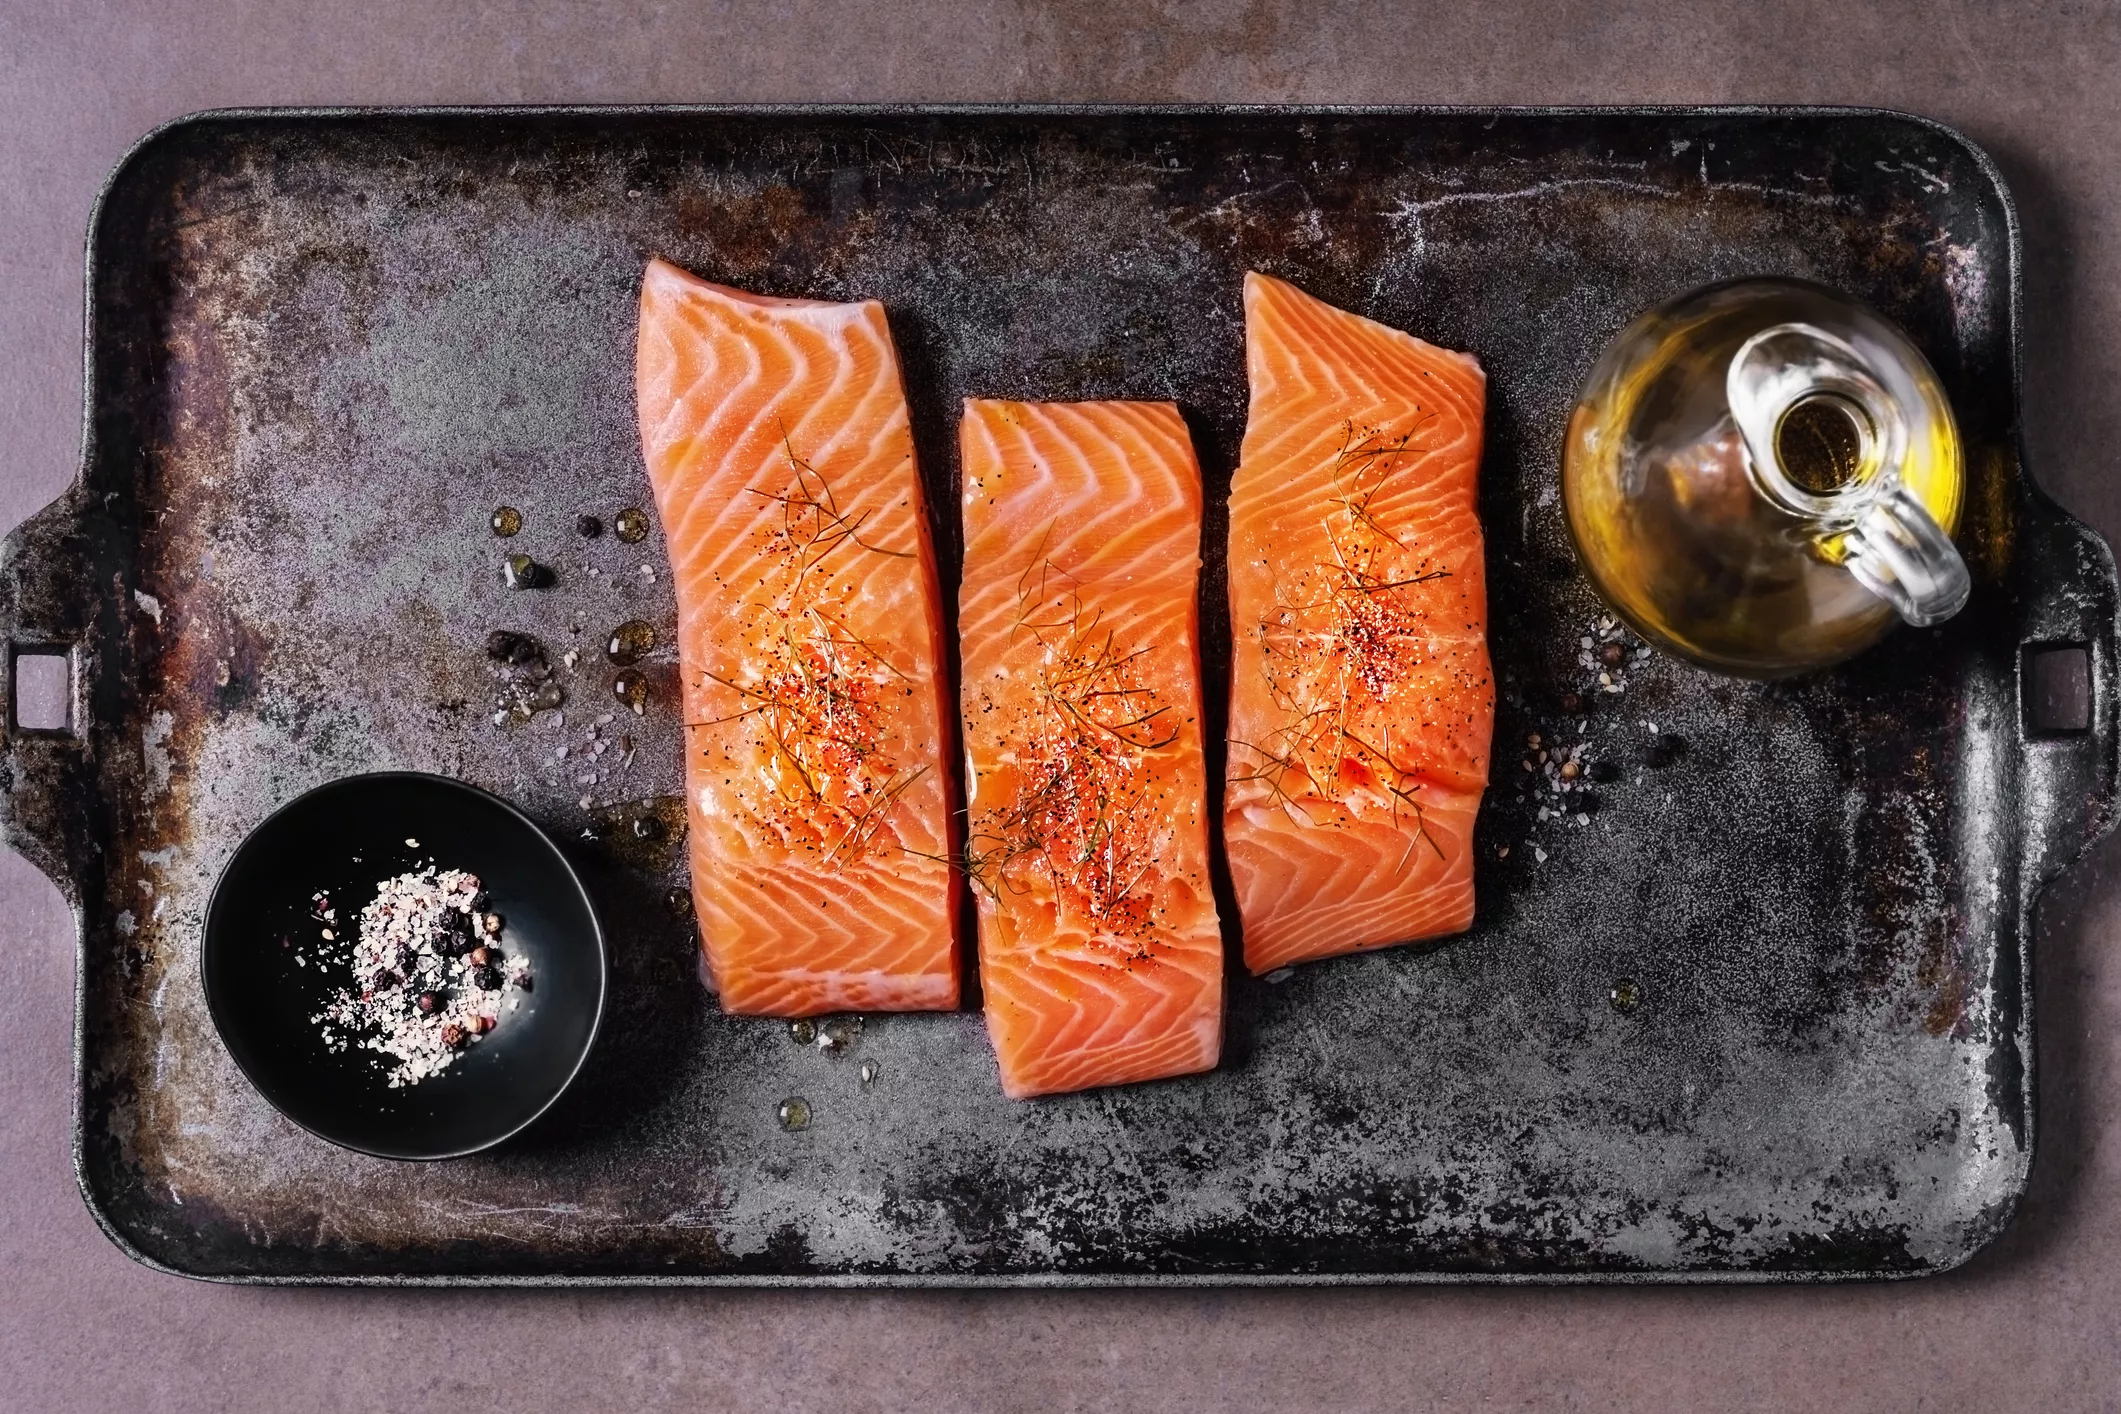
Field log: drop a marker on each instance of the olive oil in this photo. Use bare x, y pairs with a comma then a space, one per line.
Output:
630, 525
1762, 477
630, 642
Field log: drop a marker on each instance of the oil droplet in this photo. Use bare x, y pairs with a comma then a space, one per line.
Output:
522, 572
507, 520
630, 688
1624, 996
802, 1032
840, 1033
868, 1071
630, 525
794, 1113
630, 642
679, 902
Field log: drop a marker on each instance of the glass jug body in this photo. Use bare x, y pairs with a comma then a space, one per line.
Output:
1763, 477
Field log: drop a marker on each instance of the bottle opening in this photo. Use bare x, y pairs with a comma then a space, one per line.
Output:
1824, 443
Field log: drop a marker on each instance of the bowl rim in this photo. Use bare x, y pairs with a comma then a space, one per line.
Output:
207, 932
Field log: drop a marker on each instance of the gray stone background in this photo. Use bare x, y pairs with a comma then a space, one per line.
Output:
2031, 1324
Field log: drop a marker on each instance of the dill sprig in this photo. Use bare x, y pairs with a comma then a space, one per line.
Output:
817, 699
1344, 637
1084, 818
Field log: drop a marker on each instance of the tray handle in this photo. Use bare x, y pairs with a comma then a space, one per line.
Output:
2068, 675
54, 599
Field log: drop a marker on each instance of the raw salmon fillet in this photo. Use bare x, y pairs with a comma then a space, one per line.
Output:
1361, 702
1100, 953
809, 628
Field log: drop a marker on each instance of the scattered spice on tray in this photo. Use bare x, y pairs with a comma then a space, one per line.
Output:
523, 677
430, 974
1606, 650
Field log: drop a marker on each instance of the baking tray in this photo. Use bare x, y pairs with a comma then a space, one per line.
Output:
323, 346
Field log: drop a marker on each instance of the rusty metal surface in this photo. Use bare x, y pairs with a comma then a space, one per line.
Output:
323, 347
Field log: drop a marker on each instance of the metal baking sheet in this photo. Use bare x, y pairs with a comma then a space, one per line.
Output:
324, 346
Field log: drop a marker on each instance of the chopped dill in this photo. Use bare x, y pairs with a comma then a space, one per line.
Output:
1346, 633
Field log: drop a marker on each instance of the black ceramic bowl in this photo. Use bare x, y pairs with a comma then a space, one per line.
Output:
344, 839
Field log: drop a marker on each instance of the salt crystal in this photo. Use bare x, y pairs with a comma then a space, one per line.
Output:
561, 754
500, 718
571, 657
1539, 854
604, 720
648, 573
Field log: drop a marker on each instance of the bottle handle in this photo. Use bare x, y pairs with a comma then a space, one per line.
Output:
1872, 525
1900, 553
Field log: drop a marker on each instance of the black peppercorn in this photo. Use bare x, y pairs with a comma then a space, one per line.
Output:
1612, 655
588, 527
427, 1002
1572, 702
385, 980
1604, 771
486, 979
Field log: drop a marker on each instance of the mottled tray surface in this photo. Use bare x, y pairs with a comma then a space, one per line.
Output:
325, 346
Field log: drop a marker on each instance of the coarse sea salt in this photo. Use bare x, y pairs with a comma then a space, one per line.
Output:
430, 975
